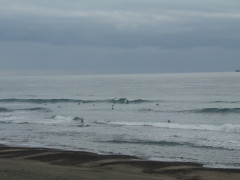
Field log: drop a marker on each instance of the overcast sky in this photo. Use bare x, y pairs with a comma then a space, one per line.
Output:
119, 36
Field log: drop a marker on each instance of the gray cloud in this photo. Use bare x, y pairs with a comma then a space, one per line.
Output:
111, 36
167, 33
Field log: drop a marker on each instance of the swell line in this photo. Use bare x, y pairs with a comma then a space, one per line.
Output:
162, 143
3, 110
43, 101
216, 110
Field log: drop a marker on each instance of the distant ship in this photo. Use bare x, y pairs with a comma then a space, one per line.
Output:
238, 70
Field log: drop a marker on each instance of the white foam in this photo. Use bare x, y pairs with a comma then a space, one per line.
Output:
58, 119
233, 128
62, 118
7, 118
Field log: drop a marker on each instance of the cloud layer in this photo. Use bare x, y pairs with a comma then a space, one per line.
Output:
119, 34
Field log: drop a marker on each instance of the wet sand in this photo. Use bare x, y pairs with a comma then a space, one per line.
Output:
19, 163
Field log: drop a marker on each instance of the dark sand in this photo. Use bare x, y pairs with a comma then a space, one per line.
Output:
49, 164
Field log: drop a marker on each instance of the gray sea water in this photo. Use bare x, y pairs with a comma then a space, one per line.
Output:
127, 114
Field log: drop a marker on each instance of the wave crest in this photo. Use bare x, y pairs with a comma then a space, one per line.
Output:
216, 110
36, 109
44, 101
230, 128
164, 143
41, 109
227, 102
4, 110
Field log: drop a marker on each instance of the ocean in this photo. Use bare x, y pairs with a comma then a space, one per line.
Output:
187, 117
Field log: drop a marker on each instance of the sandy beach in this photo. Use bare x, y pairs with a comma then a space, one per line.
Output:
48, 164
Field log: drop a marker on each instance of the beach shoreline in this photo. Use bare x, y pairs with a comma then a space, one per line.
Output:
43, 163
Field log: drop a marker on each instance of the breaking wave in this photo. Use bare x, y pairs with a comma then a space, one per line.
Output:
67, 118
230, 128
60, 118
44, 101
54, 120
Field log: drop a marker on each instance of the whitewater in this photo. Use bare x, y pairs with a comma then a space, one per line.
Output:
187, 117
